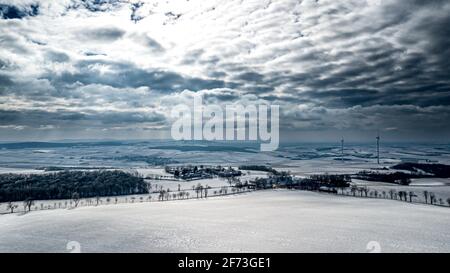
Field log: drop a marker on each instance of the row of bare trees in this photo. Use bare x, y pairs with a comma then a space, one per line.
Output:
201, 191
407, 196
165, 195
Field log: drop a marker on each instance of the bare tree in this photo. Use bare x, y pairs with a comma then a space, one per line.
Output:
391, 193
201, 190
425, 194
365, 190
11, 206
411, 195
206, 191
405, 196
76, 198
400, 194
161, 195
353, 190
432, 198
361, 191
28, 203
230, 180
198, 189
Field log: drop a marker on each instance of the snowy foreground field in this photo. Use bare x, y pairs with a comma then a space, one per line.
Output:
265, 221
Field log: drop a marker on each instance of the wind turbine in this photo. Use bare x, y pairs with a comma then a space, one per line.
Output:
342, 149
378, 147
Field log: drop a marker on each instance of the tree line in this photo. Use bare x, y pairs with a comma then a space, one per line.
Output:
399, 178
425, 170
262, 168
69, 184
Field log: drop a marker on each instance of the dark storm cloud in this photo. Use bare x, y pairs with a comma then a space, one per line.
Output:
5, 81
251, 77
35, 118
345, 97
56, 56
122, 75
104, 34
384, 73
18, 12
96, 5
331, 65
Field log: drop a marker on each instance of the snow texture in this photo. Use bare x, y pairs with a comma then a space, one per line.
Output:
264, 221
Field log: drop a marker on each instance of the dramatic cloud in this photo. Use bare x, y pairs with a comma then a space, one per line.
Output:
76, 68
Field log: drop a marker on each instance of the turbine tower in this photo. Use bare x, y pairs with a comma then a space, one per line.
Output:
378, 147
342, 149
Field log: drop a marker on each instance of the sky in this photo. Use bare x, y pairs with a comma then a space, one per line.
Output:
113, 69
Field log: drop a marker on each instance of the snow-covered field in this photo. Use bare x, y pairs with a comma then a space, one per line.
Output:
265, 221
302, 159
270, 221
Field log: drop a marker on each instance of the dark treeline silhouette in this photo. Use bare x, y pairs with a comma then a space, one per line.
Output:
258, 168
199, 172
426, 170
325, 182
400, 178
67, 184
261, 183
279, 180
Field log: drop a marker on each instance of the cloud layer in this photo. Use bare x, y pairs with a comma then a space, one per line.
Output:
114, 68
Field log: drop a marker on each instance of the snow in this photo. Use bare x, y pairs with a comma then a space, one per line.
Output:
270, 221
430, 182
263, 221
